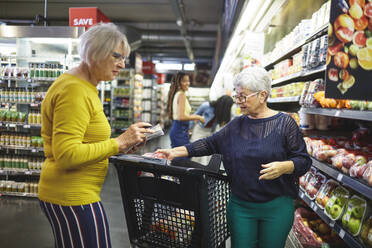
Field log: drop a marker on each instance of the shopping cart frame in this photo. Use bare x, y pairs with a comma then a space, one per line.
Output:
202, 190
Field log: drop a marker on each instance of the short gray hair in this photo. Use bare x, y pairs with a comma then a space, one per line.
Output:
99, 41
254, 79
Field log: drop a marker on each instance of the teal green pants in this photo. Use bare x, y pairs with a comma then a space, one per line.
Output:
264, 225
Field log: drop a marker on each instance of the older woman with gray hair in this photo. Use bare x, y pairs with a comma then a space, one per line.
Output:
264, 155
77, 141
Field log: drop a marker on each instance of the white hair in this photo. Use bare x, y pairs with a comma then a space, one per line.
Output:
254, 79
99, 42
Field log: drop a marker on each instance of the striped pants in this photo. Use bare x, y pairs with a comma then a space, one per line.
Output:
78, 226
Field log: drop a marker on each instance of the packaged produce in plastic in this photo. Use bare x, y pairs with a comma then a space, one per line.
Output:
336, 203
304, 180
367, 175
366, 232
354, 214
325, 193
314, 185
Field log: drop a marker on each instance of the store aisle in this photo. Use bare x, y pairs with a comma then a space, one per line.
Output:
24, 225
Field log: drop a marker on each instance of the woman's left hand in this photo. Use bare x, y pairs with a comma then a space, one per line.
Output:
276, 169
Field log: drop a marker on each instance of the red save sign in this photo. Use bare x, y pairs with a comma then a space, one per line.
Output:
86, 17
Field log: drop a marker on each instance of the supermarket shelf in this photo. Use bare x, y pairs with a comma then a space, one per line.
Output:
31, 149
29, 80
301, 76
23, 125
122, 106
352, 183
120, 118
348, 238
32, 104
283, 99
343, 113
16, 172
18, 194
121, 96
297, 47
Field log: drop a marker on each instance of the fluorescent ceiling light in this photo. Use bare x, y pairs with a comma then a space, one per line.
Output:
189, 67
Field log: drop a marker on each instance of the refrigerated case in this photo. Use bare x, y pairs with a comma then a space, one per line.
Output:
295, 49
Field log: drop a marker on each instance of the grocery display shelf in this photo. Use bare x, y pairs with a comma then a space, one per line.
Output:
32, 104
122, 106
350, 182
16, 172
343, 113
297, 47
121, 96
21, 148
23, 125
301, 76
18, 194
120, 118
348, 238
283, 99
29, 80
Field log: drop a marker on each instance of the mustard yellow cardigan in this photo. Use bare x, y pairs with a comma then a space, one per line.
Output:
77, 143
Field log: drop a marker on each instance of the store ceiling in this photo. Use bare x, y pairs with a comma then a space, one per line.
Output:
154, 21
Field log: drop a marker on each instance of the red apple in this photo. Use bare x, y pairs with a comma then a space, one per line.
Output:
348, 160
361, 170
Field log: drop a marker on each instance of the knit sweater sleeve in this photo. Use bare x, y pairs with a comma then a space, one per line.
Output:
210, 145
71, 116
296, 148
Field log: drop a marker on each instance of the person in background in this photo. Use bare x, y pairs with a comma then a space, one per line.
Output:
77, 141
179, 109
264, 154
216, 115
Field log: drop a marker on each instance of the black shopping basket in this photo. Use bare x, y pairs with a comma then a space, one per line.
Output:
177, 205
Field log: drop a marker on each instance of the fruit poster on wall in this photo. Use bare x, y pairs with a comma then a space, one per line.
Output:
349, 54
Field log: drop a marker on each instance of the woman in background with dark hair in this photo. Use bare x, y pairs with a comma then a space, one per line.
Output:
216, 115
179, 109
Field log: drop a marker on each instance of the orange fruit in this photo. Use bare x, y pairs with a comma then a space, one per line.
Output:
365, 58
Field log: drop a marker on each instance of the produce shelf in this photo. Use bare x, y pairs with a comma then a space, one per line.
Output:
350, 182
297, 47
283, 99
19, 194
343, 113
348, 238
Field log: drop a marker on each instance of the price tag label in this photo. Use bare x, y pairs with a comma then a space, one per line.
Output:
33, 150
342, 233
339, 177
28, 172
1, 124
302, 195
315, 207
338, 112
332, 224
1, 172
312, 204
26, 126
33, 104
11, 125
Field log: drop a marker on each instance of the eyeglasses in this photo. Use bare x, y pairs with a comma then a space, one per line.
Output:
243, 98
118, 57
